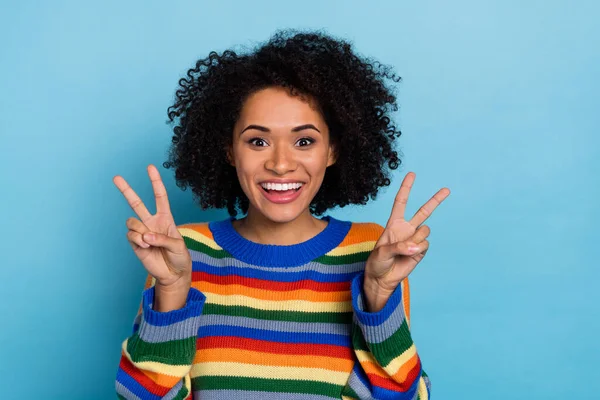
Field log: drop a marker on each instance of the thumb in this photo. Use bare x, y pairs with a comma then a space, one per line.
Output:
160, 240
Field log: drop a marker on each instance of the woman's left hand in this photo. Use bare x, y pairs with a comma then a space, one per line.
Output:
392, 258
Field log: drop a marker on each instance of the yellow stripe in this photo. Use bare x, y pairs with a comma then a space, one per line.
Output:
423, 389
394, 364
287, 305
353, 248
198, 237
153, 366
268, 371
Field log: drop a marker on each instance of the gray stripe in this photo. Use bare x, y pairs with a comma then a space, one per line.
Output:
123, 391
379, 333
310, 266
356, 384
175, 331
225, 394
279, 326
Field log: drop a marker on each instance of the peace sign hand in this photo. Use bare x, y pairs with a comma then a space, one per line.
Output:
166, 257
401, 246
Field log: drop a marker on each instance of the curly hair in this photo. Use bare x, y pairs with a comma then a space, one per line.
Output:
351, 94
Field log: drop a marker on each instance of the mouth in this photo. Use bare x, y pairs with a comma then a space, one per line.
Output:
283, 195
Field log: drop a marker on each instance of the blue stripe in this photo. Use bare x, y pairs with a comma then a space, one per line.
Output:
193, 308
134, 386
272, 276
373, 318
273, 336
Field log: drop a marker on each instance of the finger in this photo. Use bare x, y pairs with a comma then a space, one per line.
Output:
401, 199
427, 209
423, 247
405, 248
421, 234
136, 225
135, 238
160, 192
132, 198
176, 246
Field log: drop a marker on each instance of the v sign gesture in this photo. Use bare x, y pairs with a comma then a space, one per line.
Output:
158, 244
401, 246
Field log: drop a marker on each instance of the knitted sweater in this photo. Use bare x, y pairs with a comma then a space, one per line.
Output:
274, 322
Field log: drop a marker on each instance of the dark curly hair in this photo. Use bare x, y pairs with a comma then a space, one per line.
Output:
350, 92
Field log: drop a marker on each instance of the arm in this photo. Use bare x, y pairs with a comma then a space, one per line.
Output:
156, 359
388, 365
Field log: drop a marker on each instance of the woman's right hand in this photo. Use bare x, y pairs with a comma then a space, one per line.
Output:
167, 257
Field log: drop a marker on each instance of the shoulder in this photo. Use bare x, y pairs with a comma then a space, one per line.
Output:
366, 230
197, 232
362, 235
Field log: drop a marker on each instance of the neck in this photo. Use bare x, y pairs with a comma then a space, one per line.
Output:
258, 228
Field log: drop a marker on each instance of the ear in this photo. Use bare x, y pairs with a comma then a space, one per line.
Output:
229, 155
331, 155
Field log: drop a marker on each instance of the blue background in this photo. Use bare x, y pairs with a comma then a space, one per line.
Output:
499, 103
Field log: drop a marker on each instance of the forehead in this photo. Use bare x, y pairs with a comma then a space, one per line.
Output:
276, 106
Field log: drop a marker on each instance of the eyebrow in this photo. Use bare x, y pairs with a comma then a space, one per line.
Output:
265, 129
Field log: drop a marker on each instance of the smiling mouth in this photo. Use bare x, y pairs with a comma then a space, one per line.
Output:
280, 191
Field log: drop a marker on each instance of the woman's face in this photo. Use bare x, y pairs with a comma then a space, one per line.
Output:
280, 138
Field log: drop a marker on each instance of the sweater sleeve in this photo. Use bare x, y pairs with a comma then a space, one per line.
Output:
388, 366
157, 358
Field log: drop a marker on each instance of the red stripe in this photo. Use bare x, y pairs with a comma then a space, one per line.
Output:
271, 285
390, 384
234, 342
142, 379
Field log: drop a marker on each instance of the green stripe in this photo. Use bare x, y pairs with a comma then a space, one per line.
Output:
201, 247
345, 259
266, 385
358, 340
348, 391
276, 315
387, 350
182, 394
174, 352
393, 346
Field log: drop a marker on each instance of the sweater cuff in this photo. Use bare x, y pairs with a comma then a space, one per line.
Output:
168, 337
378, 326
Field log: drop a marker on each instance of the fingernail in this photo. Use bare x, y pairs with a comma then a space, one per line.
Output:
149, 236
413, 249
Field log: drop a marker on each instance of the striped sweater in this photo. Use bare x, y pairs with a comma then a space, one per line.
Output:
274, 322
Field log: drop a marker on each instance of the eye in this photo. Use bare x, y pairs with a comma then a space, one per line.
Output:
306, 139
252, 141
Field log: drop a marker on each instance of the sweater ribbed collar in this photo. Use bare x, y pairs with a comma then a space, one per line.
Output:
271, 255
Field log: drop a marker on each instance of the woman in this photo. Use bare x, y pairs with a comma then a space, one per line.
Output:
279, 303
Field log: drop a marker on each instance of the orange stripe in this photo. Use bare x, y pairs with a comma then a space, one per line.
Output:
301, 294
406, 299
260, 358
201, 228
405, 369
362, 232
161, 379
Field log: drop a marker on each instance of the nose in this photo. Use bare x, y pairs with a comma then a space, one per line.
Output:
281, 161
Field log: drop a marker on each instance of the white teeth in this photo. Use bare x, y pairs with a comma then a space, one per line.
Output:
281, 187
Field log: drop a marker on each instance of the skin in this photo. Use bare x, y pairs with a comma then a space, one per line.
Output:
280, 153
276, 151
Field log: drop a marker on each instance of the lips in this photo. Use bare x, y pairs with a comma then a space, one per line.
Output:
281, 197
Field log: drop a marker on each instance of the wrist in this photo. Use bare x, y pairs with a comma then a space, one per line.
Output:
171, 297
375, 296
